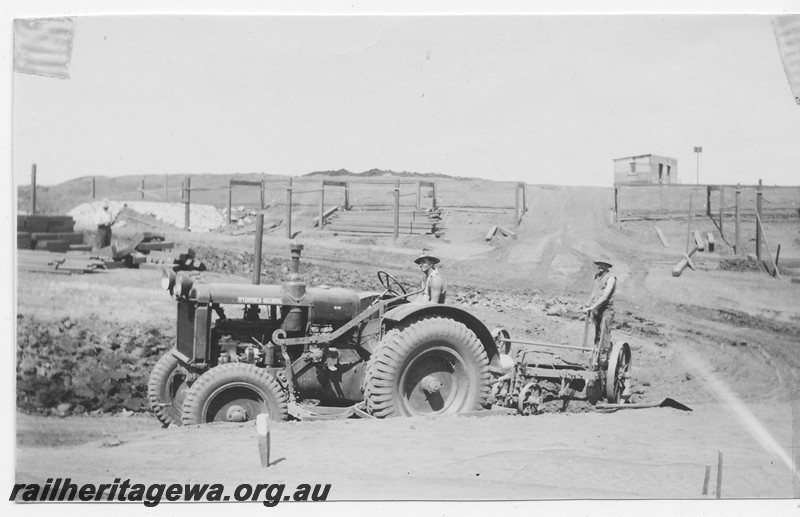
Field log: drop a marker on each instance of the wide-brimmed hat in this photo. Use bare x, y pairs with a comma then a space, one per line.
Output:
426, 254
603, 261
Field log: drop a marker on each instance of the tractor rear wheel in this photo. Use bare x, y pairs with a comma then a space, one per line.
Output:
234, 392
432, 366
167, 388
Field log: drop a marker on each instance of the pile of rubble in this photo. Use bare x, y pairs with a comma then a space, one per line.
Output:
202, 218
70, 367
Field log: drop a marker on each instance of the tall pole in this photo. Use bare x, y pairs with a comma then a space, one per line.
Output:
257, 251
93, 190
697, 151
289, 209
188, 200
397, 210
689, 220
758, 227
142, 189
33, 188
230, 201
721, 209
736, 248
322, 205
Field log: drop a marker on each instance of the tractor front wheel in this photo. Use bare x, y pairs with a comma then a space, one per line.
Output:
167, 388
432, 366
234, 392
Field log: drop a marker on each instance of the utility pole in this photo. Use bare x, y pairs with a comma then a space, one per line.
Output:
697, 151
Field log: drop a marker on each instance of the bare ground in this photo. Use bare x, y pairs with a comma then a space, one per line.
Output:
723, 342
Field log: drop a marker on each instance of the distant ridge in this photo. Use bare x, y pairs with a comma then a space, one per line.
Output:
372, 173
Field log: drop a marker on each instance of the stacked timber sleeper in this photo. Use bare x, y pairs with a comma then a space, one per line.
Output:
416, 222
49, 233
151, 252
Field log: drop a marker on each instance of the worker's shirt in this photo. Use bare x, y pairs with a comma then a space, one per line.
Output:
426, 286
104, 218
600, 282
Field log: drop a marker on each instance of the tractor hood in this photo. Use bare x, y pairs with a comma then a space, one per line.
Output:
328, 305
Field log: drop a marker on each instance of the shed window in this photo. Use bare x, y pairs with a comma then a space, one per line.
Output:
633, 168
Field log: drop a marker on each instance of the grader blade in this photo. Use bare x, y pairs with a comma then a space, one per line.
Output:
667, 402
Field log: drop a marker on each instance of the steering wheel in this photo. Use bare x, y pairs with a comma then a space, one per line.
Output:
386, 281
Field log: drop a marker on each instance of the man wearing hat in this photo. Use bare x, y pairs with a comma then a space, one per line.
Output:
104, 222
433, 286
601, 306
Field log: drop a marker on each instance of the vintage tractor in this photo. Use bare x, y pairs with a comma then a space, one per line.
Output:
317, 352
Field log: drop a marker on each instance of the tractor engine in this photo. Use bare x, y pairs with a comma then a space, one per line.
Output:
220, 323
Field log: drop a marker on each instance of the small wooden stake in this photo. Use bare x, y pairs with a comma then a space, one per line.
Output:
661, 236
262, 429
705, 480
698, 239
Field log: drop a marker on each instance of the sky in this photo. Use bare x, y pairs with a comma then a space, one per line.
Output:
540, 99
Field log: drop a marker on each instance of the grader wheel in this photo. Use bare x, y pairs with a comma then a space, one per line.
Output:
234, 392
432, 366
618, 373
166, 389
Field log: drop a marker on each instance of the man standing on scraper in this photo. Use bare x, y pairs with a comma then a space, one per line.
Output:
601, 307
104, 222
433, 286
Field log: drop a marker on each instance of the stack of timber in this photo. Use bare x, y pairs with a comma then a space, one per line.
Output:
59, 263
48, 233
411, 222
152, 251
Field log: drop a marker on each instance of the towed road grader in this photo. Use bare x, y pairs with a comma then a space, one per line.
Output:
325, 352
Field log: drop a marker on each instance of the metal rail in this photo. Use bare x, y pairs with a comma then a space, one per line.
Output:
545, 345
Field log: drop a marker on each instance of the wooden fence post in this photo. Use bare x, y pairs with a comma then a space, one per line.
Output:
322, 204
347, 195
708, 200
616, 203
289, 209
524, 198
736, 248
142, 189
262, 195
257, 250
188, 200
397, 210
419, 194
721, 209
758, 214
230, 201
93, 190
689, 219
435, 206
33, 188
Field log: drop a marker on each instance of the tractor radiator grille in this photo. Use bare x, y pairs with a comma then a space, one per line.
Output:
185, 331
